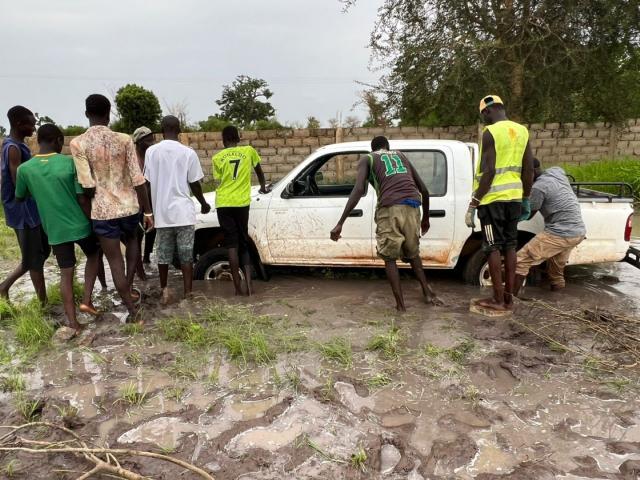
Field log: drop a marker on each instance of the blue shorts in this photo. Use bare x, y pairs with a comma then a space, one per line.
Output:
118, 227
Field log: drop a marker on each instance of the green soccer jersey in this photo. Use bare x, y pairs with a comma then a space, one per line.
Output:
51, 181
232, 167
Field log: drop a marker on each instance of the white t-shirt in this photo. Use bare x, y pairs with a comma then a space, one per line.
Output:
170, 167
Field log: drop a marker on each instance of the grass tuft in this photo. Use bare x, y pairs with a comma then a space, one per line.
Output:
29, 408
359, 460
338, 350
130, 395
14, 382
379, 380
388, 343
32, 328
54, 295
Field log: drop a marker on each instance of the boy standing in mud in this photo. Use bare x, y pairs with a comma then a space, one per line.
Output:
173, 171
49, 178
22, 217
110, 175
401, 193
232, 167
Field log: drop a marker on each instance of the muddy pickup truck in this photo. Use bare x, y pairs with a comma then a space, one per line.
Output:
291, 224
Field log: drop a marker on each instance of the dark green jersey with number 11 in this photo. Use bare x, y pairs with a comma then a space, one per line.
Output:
232, 167
391, 175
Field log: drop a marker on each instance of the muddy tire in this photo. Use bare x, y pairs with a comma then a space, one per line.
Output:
214, 265
475, 268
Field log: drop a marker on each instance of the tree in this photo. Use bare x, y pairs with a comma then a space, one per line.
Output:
137, 107
313, 122
3, 131
241, 104
378, 113
73, 130
352, 122
215, 123
548, 60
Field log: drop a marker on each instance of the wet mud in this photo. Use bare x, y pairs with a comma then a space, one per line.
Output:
453, 395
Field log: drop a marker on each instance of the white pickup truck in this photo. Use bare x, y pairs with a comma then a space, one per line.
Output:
291, 224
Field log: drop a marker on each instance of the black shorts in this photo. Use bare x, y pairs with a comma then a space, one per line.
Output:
234, 222
499, 222
66, 253
121, 228
34, 247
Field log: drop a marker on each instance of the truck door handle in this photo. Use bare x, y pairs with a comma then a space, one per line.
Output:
356, 213
437, 213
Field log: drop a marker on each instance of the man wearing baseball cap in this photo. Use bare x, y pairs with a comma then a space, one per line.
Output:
143, 138
501, 188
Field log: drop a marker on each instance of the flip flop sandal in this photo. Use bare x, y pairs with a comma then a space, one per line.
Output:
84, 308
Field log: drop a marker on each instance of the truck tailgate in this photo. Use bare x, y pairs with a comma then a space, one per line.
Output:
606, 223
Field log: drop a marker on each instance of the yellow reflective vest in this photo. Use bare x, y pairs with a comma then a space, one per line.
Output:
510, 140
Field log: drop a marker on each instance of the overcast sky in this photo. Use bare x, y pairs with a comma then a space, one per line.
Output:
311, 54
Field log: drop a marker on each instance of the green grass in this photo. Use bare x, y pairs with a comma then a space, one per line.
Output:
11, 468
247, 338
387, 343
29, 408
32, 328
338, 350
14, 382
130, 395
186, 367
379, 380
624, 169
9, 249
460, 352
54, 295
359, 460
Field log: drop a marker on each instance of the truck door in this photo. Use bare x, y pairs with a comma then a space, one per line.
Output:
299, 221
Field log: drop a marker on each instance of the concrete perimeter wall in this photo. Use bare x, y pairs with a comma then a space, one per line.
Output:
553, 143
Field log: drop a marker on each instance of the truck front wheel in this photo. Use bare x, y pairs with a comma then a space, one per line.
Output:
214, 265
476, 270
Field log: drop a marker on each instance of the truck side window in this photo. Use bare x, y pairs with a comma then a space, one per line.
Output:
432, 168
331, 176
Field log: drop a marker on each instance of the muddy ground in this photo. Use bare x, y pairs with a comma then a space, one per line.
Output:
290, 385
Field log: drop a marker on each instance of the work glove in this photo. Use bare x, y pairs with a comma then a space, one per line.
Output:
470, 217
525, 209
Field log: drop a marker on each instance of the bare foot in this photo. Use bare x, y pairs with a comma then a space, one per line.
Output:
433, 300
492, 304
77, 328
89, 308
166, 296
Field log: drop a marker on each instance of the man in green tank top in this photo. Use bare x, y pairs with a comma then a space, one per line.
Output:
399, 225
502, 184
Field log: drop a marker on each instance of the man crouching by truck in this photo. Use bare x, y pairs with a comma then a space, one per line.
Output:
401, 192
563, 226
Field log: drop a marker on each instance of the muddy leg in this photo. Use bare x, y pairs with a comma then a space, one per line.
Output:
139, 266
132, 252
90, 274
37, 278
66, 291
246, 267
10, 280
495, 270
510, 276
187, 278
111, 249
102, 277
429, 296
149, 239
234, 265
519, 283
393, 275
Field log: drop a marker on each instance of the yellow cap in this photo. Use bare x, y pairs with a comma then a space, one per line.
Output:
490, 100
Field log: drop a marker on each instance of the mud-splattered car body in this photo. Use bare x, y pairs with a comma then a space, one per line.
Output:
291, 224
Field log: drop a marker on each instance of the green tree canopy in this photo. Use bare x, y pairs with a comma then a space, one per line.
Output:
137, 106
550, 60
240, 102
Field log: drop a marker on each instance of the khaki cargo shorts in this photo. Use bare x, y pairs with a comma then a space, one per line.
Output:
398, 232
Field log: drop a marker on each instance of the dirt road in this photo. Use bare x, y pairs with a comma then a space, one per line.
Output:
318, 377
